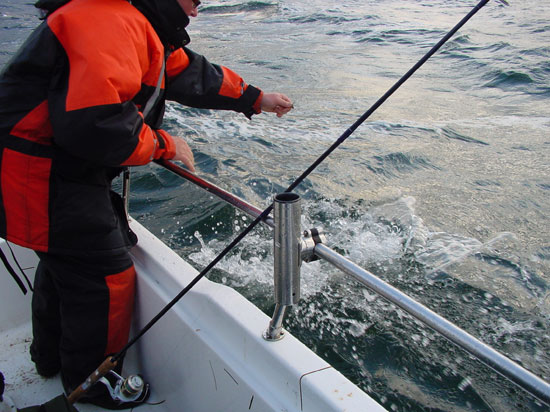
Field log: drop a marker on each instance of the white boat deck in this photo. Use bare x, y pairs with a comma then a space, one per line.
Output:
23, 385
206, 354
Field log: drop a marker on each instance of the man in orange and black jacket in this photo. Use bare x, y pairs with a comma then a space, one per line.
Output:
83, 98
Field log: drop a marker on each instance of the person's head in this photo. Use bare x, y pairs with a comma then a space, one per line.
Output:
169, 18
190, 7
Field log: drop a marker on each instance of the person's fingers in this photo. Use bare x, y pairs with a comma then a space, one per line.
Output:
282, 110
184, 153
286, 100
189, 162
283, 101
274, 102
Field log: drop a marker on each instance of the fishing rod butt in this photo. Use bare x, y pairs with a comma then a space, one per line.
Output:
107, 366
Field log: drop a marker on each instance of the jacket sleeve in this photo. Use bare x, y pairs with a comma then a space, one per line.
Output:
102, 68
194, 81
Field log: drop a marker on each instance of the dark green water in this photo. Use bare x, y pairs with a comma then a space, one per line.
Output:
444, 192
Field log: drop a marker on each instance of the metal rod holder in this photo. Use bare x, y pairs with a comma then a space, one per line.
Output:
287, 259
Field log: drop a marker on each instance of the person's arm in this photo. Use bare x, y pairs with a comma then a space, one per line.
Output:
90, 99
195, 82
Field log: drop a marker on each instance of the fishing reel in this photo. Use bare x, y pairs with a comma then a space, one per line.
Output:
123, 389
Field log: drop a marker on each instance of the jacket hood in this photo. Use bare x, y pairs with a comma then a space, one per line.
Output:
49, 6
167, 18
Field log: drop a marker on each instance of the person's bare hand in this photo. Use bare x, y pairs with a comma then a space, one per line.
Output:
184, 153
276, 103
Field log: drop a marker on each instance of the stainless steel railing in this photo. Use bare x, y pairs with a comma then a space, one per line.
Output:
495, 360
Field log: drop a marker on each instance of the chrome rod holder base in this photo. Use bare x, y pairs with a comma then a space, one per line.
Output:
275, 330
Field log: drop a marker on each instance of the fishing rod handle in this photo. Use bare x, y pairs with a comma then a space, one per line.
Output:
107, 366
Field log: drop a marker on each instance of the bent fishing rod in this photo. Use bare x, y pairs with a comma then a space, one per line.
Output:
216, 190
111, 361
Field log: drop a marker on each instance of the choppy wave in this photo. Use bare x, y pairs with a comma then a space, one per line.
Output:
508, 79
452, 134
321, 18
400, 163
388, 237
241, 7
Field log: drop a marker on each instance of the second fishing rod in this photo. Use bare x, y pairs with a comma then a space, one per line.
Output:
111, 361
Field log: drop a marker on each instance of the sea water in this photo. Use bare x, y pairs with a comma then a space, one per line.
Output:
444, 192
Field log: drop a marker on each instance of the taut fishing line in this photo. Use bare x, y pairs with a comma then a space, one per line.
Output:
110, 362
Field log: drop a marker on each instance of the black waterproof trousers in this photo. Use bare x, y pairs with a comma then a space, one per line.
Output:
81, 312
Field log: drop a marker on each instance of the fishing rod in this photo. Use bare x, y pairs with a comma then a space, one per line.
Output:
111, 361
216, 190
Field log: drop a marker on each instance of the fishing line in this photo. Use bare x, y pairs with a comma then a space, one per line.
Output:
305, 174
110, 362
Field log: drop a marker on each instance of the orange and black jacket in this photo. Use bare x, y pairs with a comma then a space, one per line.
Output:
72, 104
